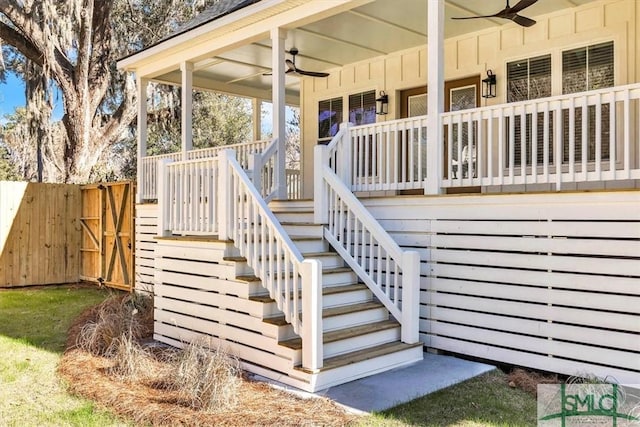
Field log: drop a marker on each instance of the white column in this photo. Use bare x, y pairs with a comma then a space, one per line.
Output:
142, 178
257, 119
278, 37
435, 86
187, 108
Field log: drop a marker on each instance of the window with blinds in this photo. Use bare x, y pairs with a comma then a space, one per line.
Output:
329, 118
587, 68
528, 79
362, 108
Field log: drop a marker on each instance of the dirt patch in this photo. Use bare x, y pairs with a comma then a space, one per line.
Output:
148, 401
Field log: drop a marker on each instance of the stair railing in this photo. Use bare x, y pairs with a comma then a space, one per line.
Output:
263, 167
293, 282
393, 275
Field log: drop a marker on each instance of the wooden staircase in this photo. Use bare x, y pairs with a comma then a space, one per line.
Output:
360, 337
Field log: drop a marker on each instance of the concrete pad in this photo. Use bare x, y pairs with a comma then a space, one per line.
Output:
388, 389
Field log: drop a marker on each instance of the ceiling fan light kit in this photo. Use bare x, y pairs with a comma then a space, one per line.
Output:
510, 13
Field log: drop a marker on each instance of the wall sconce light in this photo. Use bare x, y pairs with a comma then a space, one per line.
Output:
489, 85
382, 104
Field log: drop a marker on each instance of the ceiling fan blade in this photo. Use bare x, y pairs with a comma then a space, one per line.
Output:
311, 73
523, 20
476, 17
523, 4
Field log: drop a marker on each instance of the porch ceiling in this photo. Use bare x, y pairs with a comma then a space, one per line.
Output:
377, 28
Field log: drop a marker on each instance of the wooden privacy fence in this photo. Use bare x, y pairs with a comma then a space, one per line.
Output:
57, 233
39, 233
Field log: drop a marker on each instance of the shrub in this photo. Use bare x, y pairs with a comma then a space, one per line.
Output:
207, 379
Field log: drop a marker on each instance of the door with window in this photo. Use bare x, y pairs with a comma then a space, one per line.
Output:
462, 94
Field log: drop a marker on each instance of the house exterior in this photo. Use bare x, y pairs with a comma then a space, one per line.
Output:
468, 186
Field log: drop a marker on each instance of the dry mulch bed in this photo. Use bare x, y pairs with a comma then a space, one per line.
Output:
147, 402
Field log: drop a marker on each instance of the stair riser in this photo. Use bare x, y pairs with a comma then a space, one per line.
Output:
354, 319
351, 297
303, 230
341, 278
295, 216
343, 298
311, 245
360, 342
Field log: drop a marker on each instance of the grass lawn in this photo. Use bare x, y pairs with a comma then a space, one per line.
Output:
486, 400
33, 330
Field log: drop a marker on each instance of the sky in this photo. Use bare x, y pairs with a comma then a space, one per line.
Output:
12, 96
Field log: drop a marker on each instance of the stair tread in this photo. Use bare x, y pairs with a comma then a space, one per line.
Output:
332, 270
328, 290
341, 334
304, 254
331, 311
362, 355
305, 223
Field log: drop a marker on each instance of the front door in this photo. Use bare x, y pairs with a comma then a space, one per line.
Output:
462, 94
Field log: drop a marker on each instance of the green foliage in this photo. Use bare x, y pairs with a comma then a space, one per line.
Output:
33, 329
7, 171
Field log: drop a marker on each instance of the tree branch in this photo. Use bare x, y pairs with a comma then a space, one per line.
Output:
14, 38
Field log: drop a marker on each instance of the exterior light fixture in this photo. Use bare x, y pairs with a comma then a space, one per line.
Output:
382, 104
489, 85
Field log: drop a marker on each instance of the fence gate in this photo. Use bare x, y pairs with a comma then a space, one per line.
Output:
107, 248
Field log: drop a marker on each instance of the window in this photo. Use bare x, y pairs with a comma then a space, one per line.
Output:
587, 68
362, 108
329, 118
529, 79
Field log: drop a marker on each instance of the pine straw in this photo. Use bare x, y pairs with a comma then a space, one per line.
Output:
529, 380
148, 400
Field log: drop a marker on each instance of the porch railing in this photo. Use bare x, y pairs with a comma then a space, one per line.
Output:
148, 181
189, 203
393, 275
584, 137
390, 155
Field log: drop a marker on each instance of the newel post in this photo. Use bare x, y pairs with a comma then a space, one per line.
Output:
410, 297
345, 155
312, 352
224, 193
255, 166
164, 198
320, 191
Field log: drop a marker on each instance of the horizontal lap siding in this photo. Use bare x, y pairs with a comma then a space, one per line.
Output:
197, 295
549, 281
146, 231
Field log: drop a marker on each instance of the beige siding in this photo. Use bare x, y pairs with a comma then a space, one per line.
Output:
473, 54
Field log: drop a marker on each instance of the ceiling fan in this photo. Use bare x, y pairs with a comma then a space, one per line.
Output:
292, 69
511, 13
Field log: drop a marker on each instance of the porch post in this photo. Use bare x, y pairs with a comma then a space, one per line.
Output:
257, 119
278, 37
142, 137
435, 99
186, 69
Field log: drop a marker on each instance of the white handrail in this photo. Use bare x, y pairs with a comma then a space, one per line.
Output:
293, 282
188, 196
580, 137
393, 275
148, 180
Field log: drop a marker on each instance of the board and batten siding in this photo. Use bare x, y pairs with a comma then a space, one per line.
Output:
472, 54
547, 281
39, 233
